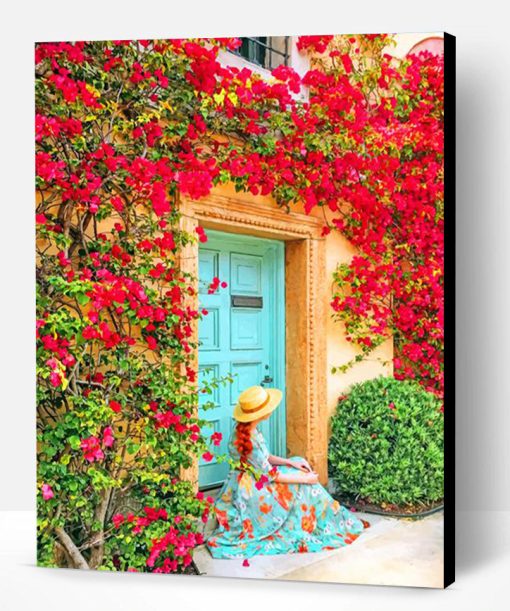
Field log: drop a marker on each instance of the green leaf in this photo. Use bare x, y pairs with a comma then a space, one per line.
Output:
82, 298
74, 442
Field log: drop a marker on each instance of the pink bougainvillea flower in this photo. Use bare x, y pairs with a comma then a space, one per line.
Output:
47, 492
245, 562
55, 379
108, 438
207, 456
91, 449
259, 484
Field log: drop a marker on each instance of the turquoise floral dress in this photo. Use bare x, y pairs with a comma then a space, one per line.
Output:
256, 515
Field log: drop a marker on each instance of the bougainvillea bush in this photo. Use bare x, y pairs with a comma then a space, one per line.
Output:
386, 443
123, 130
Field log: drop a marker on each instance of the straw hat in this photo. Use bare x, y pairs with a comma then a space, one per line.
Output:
255, 402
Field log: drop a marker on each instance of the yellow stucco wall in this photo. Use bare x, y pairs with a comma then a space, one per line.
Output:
340, 351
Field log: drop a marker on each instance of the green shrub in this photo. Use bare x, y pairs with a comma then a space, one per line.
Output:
386, 444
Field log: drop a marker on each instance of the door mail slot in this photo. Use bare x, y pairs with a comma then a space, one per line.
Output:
245, 301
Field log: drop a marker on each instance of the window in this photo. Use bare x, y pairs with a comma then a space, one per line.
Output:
266, 51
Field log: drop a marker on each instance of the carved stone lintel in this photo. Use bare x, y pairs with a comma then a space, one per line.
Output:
221, 211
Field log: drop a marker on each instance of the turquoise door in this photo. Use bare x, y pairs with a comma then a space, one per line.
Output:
243, 334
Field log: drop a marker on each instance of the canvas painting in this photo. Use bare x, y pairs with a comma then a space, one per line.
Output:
244, 252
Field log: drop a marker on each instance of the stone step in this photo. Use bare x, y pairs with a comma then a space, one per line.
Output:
277, 566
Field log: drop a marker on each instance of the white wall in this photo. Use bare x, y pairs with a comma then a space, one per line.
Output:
483, 414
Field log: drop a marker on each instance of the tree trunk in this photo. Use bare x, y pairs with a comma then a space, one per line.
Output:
61, 556
97, 537
73, 552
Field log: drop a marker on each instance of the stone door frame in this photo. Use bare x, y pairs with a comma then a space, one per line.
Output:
306, 301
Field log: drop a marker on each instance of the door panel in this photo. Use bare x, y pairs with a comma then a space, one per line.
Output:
246, 329
209, 330
246, 342
245, 274
246, 374
208, 267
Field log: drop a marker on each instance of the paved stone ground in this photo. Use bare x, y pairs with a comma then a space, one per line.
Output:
391, 552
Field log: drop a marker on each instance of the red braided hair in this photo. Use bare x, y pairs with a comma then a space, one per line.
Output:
243, 441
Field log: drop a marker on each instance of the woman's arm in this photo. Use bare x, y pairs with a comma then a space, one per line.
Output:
297, 478
301, 464
278, 460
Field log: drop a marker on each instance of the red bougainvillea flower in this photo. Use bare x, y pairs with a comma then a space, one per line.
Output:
202, 237
245, 562
288, 75
207, 456
216, 438
317, 43
118, 520
151, 342
47, 492
115, 406
215, 285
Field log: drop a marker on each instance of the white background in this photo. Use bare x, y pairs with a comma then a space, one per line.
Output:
483, 298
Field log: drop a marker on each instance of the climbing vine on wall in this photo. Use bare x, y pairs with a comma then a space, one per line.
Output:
123, 128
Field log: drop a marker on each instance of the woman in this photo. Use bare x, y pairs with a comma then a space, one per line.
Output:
269, 504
